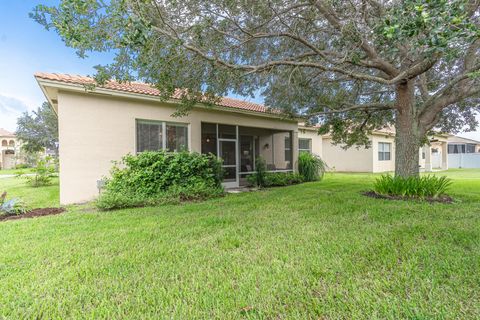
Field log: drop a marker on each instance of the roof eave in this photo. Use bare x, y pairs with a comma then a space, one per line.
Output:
43, 83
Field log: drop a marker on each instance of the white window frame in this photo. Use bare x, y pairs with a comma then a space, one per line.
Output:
164, 132
382, 150
309, 150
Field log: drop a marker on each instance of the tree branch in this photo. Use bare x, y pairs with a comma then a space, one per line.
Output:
355, 107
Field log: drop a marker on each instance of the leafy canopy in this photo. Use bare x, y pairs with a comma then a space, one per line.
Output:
38, 130
339, 63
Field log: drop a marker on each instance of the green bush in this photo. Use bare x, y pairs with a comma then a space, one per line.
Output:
13, 206
42, 173
258, 179
22, 166
152, 178
311, 166
412, 187
276, 179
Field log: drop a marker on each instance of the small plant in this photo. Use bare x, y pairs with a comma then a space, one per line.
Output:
412, 187
311, 166
42, 173
261, 171
13, 206
22, 166
276, 179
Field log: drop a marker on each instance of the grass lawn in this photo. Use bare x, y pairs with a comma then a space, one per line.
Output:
15, 171
34, 197
311, 251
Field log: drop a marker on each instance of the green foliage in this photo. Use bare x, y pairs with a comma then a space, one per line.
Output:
22, 166
38, 130
275, 179
258, 179
13, 206
158, 177
43, 172
429, 186
311, 166
431, 24
345, 75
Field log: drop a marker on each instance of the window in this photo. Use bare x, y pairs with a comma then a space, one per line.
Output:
177, 137
384, 151
470, 148
12, 143
4, 143
456, 148
288, 149
159, 135
304, 145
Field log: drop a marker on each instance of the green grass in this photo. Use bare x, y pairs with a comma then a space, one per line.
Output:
34, 197
311, 251
15, 171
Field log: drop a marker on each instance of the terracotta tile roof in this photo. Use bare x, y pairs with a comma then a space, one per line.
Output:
146, 89
6, 133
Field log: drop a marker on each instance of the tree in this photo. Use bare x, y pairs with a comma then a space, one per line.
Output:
38, 130
353, 66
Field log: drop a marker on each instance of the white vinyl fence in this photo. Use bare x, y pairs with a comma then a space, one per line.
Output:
464, 160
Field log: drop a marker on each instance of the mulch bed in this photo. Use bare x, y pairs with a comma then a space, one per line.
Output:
34, 213
441, 199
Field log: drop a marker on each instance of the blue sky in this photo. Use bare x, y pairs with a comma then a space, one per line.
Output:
26, 47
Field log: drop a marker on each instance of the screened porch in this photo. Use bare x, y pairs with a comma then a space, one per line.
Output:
240, 146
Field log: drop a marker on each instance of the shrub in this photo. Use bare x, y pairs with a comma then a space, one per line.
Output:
276, 179
42, 173
13, 206
412, 187
22, 166
258, 179
311, 166
152, 178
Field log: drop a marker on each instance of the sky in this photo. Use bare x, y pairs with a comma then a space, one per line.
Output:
26, 47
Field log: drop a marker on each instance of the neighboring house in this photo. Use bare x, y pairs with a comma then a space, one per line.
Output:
463, 152
99, 126
9, 149
380, 157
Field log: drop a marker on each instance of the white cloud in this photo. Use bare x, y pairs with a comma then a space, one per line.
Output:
10, 109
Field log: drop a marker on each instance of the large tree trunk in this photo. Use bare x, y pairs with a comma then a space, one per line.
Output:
409, 134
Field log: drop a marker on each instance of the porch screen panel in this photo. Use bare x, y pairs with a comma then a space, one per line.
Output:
149, 136
209, 138
246, 154
288, 149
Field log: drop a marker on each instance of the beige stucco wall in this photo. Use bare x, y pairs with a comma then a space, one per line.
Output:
349, 160
8, 161
317, 144
95, 130
383, 165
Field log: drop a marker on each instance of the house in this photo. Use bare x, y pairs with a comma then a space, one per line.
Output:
9, 148
98, 126
463, 152
380, 157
